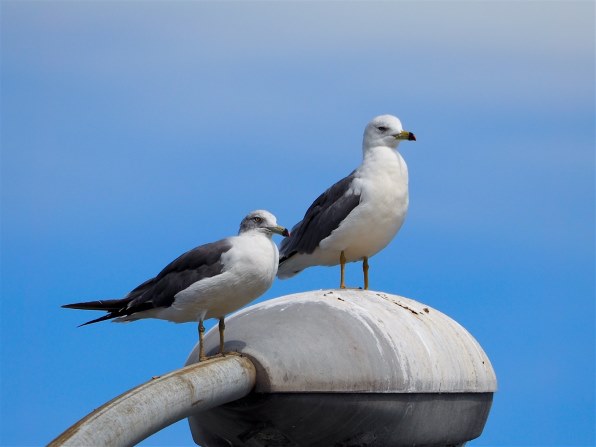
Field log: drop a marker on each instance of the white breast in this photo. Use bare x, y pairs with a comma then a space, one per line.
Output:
382, 181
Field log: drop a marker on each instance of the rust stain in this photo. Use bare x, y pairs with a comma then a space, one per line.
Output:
403, 306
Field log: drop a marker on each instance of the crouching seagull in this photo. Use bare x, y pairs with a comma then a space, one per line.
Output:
209, 281
359, 215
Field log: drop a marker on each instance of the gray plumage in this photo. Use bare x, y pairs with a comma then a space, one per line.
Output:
321, 218
204, 279
194, 265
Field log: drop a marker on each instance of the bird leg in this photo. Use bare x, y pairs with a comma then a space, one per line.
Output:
201, 347
365, 270
222, 328
342, 265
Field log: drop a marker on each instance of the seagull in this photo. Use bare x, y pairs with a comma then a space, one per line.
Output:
209, 281
359, 215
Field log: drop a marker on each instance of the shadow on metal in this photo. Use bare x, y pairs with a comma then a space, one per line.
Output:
358, 419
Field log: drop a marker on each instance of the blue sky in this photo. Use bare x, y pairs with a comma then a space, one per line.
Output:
134, 131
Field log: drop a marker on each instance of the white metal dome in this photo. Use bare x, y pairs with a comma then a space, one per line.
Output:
415, 374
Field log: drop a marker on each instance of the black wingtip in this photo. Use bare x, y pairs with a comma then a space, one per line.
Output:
97, 320
113, 307
107, 305
90, 305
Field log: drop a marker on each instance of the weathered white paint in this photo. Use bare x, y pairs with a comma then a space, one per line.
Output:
146, 409
355, 341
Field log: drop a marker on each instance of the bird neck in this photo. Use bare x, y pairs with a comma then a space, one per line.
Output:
383, 160
256, 232
373, 153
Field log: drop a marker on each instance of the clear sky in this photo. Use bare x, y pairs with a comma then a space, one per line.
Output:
134, 131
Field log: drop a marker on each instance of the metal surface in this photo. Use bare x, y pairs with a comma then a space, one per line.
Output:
142, 411
338, 419
355, 341
350, 368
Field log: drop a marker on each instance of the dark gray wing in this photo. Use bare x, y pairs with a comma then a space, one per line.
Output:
322, 217
199, 263
194, 265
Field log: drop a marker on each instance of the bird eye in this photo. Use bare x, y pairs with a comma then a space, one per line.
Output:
257, 219
382, 128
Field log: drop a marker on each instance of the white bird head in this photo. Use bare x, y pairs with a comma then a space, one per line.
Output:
385, 130
263, 221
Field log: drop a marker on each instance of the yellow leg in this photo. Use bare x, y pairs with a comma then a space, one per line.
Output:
365, 270
222, 328
342, 264
201, 347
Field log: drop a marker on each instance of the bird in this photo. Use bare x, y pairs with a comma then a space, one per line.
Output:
360, 214
209, 281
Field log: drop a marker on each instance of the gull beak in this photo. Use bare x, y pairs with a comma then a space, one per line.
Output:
405, 135
279, 230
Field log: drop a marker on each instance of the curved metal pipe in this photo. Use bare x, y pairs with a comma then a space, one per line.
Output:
146, 409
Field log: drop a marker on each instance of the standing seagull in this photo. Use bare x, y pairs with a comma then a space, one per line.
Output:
359, 215
208, 281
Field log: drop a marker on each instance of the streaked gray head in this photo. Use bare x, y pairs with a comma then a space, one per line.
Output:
263, 221
385, 130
